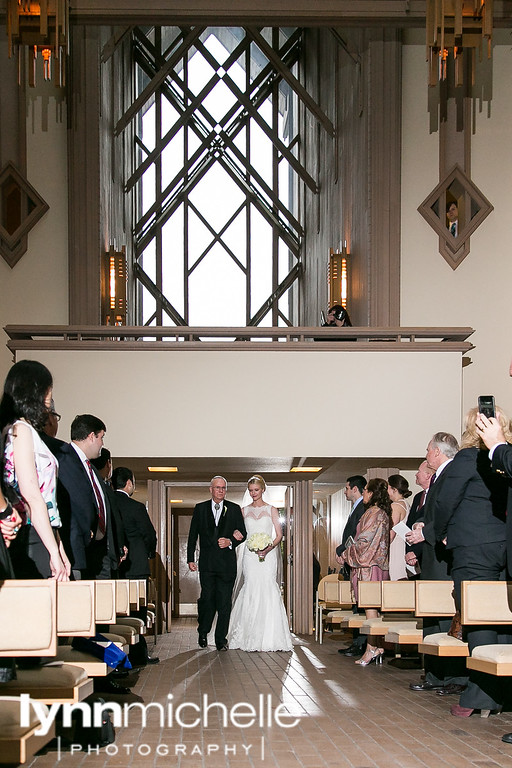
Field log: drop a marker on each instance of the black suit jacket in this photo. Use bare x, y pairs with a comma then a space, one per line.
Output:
119, 534
140, 534
436, 559
502, 462
78, 508
471, 507
415, 513
350, 530
211, 557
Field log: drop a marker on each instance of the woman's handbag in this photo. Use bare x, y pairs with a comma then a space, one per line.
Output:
456, 627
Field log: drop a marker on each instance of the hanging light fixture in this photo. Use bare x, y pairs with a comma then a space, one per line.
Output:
42, 28
114, 287
337, 276
454, 27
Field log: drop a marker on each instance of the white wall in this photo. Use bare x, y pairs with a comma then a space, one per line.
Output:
256, 403
477, 293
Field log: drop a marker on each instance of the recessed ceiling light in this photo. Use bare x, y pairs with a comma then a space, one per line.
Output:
163, 469
305, 469
175, 501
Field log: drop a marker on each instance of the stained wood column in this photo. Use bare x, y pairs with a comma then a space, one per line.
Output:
97, 203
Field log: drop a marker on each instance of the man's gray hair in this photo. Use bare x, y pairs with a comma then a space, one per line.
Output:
218, 477
446, 443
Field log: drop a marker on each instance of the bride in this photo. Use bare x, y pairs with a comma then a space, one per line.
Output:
258, 618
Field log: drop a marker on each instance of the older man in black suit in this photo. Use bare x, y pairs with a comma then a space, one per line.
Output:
444, 675
220, 527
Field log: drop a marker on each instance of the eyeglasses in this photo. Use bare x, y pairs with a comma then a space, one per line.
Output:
55, 415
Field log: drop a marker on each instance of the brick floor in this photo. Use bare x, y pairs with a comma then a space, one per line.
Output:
348, 716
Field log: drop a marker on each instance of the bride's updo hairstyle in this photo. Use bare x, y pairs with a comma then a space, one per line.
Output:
257, 480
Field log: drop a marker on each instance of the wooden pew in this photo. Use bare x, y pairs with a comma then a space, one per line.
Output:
434, 599
19, 743
488, 602
396, 601
339, 595
32, 632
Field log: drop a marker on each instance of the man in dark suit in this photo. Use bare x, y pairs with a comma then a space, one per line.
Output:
354, 488
104, 466
141, 539
137, 525
220, 527
83, 502
413, 552
442, 674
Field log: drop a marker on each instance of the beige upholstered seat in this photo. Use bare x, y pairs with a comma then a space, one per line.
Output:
17, 743
441, 644
493, 659
64, 683
488, 602
76, 609
130, 635
435, 598
29, 617
105, 601
328, 598
404, 634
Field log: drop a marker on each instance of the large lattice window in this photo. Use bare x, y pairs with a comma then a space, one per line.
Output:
217, 176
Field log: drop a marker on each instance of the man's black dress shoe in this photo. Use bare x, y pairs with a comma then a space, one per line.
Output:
507, 738
118, 673
451, 688
222, 647
152, 660
110, 686
425, 686
203, 642
353, 650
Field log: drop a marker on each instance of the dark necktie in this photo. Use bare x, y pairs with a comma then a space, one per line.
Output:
99, 500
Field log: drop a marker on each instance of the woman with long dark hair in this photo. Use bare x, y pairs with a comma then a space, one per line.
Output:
30, 471
398, 492
368, 556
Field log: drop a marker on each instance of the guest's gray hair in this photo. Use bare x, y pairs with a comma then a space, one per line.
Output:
446, 443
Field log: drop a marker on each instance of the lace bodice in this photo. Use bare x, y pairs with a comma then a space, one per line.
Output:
258, 519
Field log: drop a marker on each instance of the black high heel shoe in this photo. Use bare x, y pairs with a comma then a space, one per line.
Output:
375, 658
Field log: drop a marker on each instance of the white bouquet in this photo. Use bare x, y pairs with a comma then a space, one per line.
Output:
258, 541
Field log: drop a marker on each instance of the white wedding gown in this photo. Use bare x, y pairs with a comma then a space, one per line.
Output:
258, 618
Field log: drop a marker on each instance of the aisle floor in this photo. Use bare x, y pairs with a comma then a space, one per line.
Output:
346, 716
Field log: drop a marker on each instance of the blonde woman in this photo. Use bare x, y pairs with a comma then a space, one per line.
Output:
470, 515
258, 617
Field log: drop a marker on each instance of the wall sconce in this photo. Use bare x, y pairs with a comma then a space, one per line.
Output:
113, 288
337, 277
42, 27
453, 27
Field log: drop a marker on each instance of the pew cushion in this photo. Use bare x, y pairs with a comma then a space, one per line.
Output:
18, 743
442, 644
49, 684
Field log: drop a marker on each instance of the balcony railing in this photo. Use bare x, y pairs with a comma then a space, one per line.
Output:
361, 339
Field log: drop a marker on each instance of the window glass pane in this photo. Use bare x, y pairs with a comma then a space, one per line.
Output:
218, 288
172, 261
261, 260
